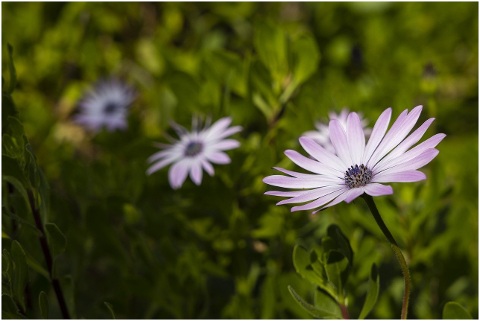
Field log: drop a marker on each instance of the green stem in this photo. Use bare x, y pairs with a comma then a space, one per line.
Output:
401, 259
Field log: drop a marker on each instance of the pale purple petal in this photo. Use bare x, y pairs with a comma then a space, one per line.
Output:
310, 195
337, 200
177, 174
196, 173
226, 144
355, 138
228, 132
354, 193
395, 136
419, 161
405, 145
416, 151
378, 132
339, 141
309, 164
320, 201
404, 177
161, 164
296, 174
218, 158
375, 189
159, 155
321, 154
292, 182
284, 194
208, 167
218, 127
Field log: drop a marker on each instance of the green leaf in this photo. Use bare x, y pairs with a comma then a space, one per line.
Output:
43, 304
8, 304
306, 57
317, 312
8, 108
337, 270
455, 311
11, 67
110, 308
33, 264
303, 266
372, 293
20, 269
56, 240
19, 187
10, 167
343, 245
323, 300
13, 146
19, 219
16, 127
271, 45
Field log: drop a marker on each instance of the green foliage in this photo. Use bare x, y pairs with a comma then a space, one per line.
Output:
20, 273
454, 311
43, 305
223, 249
110, 308
325, 307
372, 294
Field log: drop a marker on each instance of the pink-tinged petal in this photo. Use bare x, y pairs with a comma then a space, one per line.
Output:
292, 182
355, 138
159, 155
218, 158
339, 141
378, 132
395, 136
196, 173
161, 164
354, 193
309, 164
339, 199
320, 201
375, 189
322, 155
226, 144
208, 167
310, 195
218, 127
177, 174
402, 177
296, 174
413, 164
284, 194
229, 132
416, 151
405, 145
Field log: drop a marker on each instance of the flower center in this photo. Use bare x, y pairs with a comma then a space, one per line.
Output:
357, 176
193, 149
110, 108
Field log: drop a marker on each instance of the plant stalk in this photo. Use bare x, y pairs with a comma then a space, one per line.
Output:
48, 256
401, 259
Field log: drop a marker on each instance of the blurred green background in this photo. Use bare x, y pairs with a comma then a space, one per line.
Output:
223, 249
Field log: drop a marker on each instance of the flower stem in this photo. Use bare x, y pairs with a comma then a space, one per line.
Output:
401, 259
48, 256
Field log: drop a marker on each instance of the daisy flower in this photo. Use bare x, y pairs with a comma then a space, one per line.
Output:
195, 150
106, 106
357, 168
322, 134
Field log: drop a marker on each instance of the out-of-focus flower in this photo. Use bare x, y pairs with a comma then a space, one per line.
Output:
357, 167
106, 105
195, 150
322, 134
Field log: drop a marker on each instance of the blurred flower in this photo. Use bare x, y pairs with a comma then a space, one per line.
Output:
195, 150
322, 134
106, 106
357, 167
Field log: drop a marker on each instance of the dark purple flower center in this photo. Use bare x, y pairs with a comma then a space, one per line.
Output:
357, 176
110, 108
193, 148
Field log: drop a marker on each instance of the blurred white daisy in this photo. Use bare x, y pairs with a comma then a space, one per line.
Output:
195, 150
106, 105
322, 134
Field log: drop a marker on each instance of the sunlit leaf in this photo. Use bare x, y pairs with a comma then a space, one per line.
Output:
372, 293
317, 312
454, 311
